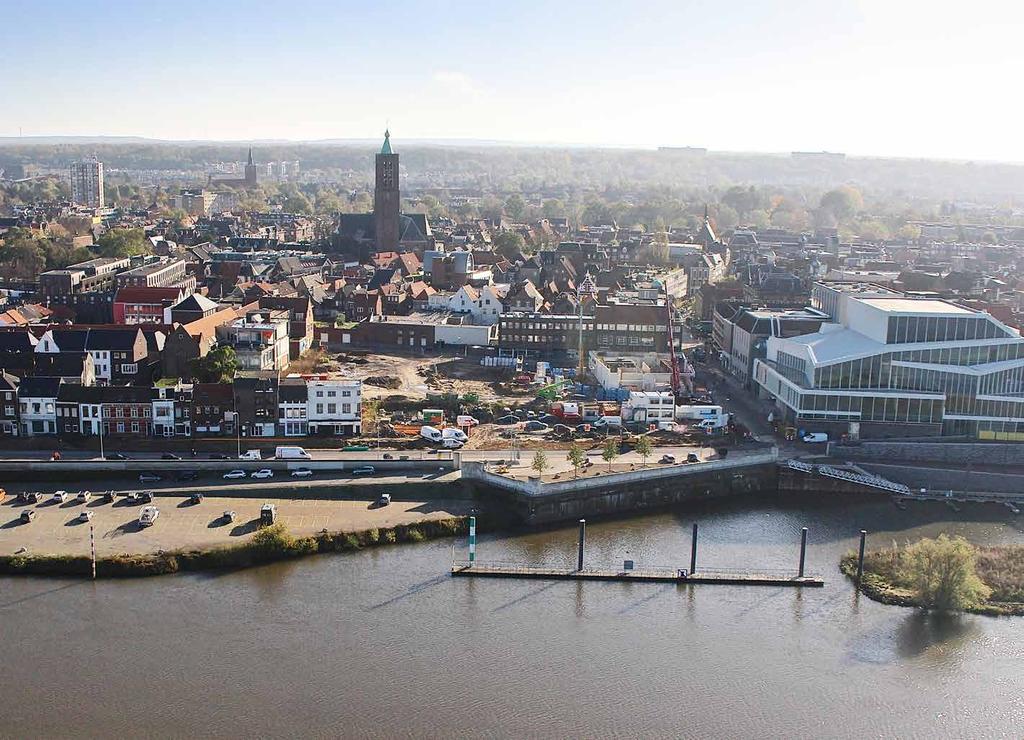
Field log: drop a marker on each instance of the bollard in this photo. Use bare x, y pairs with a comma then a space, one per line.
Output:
472, 539
803, 550
583, 535
693, 550
860, 555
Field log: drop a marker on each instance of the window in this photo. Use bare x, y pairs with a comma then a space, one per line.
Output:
135, 427
319, 408
332, 408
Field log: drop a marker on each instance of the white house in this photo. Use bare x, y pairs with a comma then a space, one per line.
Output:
334, 406
651, 407
484, 304
37, 398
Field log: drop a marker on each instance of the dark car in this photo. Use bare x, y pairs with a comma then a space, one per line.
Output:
219, 456
146, 497
148, 477
692, 458
536, 426
387, 456
550, 419
170, 456
118, 456
188, 475
195, 498
506, 420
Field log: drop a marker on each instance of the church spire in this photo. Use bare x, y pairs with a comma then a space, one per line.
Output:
250, 156
386, 149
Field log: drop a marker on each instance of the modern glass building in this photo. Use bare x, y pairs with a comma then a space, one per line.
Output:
899, 365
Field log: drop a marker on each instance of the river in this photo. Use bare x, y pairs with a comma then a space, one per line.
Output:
383, 643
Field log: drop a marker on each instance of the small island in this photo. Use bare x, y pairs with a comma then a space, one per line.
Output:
944, 574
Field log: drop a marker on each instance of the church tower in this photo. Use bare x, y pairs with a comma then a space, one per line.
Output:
386, 198
250, 171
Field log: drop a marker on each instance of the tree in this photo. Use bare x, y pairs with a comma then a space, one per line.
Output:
540, 462
610, 452
470, 399
124, 243
297, 203
942, 573
370, 414
843, 202
515, 206
553, 208
644, 448
577, 457
219, 365
509, 244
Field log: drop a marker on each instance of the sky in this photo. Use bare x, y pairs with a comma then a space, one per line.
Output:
902, 79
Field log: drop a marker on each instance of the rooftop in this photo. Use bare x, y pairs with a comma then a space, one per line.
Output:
915, 306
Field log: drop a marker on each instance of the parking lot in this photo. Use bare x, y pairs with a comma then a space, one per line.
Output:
56, 528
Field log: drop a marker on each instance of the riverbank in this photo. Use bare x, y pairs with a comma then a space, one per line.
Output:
999, 568
270, 544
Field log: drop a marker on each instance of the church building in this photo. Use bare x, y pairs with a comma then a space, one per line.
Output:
387, 228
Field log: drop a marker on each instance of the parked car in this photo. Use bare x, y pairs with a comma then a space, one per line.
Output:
22, 497
28, 515
233, 474
118, 456
148, 477
263, 473
59, 497
196, 498
387, 456
364, 470
692, 457
148, 516
506, 420
536, 426
302, 473
170, 456
384, 499
85, 516
188, 475
550, 419
35, 497
219, 456
667, 459
145, 496
815, 437
229, 516
562, 430
109, 497
83, 497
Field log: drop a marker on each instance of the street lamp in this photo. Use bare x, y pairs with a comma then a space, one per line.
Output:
100, 428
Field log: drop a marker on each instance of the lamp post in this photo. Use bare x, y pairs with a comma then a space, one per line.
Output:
100, 428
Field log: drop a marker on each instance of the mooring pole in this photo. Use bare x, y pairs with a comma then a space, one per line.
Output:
472, 539
860, 555
92, 549
693, 550
803, 550
583, 537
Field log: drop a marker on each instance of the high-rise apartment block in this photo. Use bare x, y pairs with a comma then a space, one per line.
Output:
87, 183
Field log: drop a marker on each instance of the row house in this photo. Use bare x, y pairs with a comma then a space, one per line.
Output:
144, 305
212, 409
300, 321
117, 411
334, 406
293, 419
118, 354
172, 409
8, 404
37, 405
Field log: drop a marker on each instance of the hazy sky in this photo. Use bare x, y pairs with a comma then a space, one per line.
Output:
895, 78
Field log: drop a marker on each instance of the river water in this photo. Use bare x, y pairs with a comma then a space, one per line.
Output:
384, 643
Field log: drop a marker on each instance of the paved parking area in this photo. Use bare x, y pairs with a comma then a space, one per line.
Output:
181, 525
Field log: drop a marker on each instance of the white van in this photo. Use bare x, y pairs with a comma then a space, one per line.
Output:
465, 420
291, 453
250, 455
451, 443
431, 433
453, 433
812, 437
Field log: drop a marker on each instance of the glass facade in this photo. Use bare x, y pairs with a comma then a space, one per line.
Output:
925, 328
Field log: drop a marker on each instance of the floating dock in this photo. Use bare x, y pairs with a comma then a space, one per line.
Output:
649, 575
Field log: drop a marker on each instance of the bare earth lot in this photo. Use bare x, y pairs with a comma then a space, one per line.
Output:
183, 526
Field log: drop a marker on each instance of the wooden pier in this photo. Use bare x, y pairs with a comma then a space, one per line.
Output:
468, 569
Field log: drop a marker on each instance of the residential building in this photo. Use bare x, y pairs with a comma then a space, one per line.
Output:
213, 407
37, 403
743, 337
144, 305
256, 404
172, 408
119, 354
159, 274
87, 183
334, 407
260, 339
9, 404
293, 398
